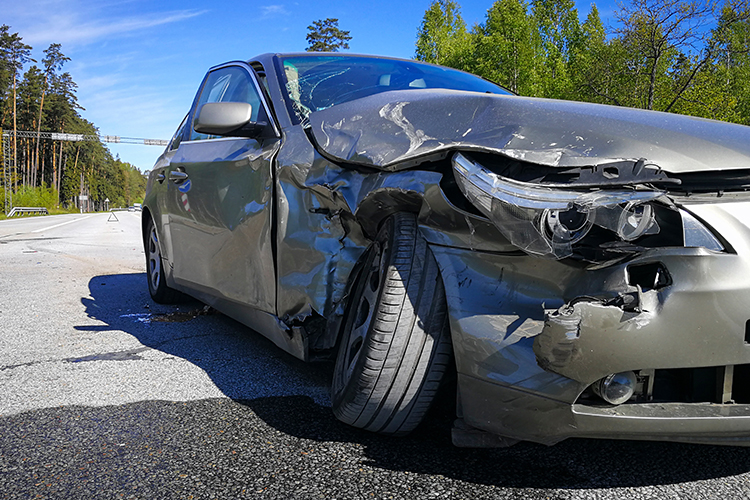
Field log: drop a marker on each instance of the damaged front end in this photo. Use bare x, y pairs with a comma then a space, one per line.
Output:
588, 294
591, 261
627, 319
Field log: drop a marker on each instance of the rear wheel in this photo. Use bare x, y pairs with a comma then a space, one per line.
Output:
395, 346
157, 286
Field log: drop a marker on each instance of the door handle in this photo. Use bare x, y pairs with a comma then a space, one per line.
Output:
177, 176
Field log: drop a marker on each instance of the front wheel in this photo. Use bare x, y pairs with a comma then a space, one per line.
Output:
395, 345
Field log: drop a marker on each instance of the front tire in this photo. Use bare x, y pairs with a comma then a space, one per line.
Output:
157, 285
395, 346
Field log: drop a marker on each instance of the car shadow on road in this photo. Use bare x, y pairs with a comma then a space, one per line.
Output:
292, 397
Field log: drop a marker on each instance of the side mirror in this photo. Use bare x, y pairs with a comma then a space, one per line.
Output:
228, 119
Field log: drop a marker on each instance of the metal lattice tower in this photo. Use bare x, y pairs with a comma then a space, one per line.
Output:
57, 136
6, 169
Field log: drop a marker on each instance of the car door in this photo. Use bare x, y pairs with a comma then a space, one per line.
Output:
220, 200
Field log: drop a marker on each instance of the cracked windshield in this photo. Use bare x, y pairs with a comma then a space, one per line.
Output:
314, 83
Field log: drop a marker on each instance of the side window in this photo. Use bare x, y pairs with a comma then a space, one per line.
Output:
174, 143
230, 84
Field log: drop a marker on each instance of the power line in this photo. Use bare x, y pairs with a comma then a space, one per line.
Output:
58, 136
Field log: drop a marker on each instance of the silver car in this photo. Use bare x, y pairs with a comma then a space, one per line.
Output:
583, 270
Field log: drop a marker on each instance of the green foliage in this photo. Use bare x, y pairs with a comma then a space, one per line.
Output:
661, 55
325, 36
13, 55
731, 58
560, 33
442, 38
54, 59
507, 48
29, 97
28, 196
590, 54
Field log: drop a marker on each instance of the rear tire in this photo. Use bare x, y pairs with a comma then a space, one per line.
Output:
157, 285
395, 345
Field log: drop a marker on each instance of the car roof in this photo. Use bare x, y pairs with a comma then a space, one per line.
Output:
269, 55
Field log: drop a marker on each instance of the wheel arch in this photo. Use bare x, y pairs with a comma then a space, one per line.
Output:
380, 204
370, 214
145, 217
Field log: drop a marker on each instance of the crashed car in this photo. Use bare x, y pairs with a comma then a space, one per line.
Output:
582, 269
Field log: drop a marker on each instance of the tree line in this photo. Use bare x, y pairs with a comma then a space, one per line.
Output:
46, 172
682, 56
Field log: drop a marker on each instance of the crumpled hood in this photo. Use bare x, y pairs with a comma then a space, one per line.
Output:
394, 130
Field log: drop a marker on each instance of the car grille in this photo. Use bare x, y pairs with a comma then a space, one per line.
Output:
714, 384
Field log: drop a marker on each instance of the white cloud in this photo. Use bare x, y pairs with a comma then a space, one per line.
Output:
66, 28
273, 10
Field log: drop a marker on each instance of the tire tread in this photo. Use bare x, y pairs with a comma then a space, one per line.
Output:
408, 346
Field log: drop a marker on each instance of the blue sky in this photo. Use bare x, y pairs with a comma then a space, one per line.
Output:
138, 63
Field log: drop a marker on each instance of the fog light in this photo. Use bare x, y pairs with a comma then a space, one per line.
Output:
616, 388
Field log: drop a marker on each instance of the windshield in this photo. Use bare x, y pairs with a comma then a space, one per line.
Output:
319, 82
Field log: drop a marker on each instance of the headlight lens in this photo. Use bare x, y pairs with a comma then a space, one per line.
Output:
548, 221
695, 234
567, 226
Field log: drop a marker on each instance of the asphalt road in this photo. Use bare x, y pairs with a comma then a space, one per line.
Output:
104, 394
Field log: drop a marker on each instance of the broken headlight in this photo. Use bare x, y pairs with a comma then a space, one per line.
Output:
548, 221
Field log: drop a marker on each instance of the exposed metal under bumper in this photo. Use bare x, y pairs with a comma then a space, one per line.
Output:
521, 415
685, 422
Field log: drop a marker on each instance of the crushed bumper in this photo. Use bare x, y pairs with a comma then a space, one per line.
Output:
522, 371
524, 416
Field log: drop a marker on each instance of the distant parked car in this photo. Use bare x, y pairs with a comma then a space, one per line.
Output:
583, 269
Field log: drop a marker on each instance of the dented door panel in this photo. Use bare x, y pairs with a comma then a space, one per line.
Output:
221, 220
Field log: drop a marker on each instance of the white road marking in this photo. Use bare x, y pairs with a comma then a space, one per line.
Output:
61, 224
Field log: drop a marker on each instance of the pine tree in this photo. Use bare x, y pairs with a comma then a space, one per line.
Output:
325, 36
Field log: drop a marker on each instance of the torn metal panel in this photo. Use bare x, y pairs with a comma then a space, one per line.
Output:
388, 129
626, 328
515, 320
328, 214
496, 305
559, 347
318, 240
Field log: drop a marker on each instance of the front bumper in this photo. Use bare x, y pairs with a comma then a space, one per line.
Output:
520, 375
524, 416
